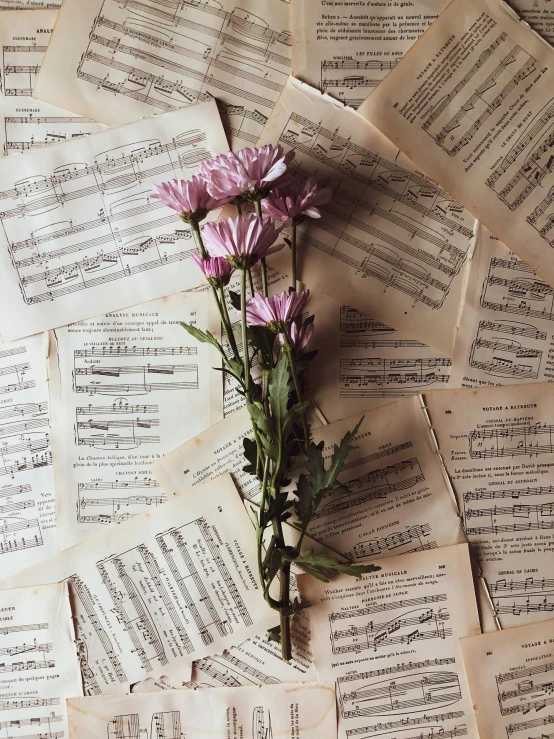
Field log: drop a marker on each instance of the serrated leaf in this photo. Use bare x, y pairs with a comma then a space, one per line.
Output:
250, 450
274, 634
279, 393
204, 337
324, 567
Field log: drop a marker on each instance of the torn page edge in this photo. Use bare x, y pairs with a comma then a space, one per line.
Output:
465, 282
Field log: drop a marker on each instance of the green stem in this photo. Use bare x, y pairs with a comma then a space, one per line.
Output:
228, 327
251, 281
293, 253
284, 618
258, 206
246, 358
239, 208
288, 350
195, 228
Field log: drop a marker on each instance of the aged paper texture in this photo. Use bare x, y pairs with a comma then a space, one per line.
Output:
471, 104
391, 643
390, 243
161, 590
498, 448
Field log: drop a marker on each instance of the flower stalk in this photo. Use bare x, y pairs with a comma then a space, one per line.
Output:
275, 331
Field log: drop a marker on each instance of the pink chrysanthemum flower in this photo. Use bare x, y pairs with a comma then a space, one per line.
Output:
216, 270
292, 202
190, 198
249, 174
301, 337
278, 311
243, 240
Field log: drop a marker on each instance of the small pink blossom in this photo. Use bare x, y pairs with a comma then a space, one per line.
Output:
249, 173
301, 337
290, 203
216, 270
278, 311
190, 198
243, 240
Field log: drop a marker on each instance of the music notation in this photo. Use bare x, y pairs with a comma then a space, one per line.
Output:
359, 331
344, 78
414, 539
390, 378
511, 441
404, 723
401, 252
144, 493
374, 485
240, 57
232, 672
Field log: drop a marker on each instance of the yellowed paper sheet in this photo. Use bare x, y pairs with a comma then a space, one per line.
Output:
471, 104
27, 504
390, 243
497, 445
126, 388
507, 321
391, 643
39, 665
539, 14
396, 498
346, 54
117, 61
80, 235
26, 123
161, 590
510, 676
303, 711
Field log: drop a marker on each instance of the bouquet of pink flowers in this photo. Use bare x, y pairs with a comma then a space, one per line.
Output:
276, 334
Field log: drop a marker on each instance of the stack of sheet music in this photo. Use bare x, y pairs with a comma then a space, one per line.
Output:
129, 603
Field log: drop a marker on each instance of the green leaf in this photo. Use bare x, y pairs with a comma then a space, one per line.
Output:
204, 337
279, 393
324, 567
262, 340
274, 634
251, 455
296, 607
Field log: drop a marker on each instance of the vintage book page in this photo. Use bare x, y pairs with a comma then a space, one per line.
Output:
26, 123
126, 388
118, 61
27, 505
30, 4
396, 499
391, 643
195, 559
346, 54
539, 14
471, 104
299, 710
391, 243
507, 321
39, 665
79, 234
498, 449
511, 675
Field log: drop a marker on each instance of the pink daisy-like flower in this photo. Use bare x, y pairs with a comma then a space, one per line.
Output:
291, 203
216, 270
190, 198
277, 311
249, 174
243, 240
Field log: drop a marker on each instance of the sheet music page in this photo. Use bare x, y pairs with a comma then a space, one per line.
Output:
302, 710
506, 325
118, 61
510, 676
26, 123
39, 664
79, 234
126, 388
471, 104
362, 363
397, 499
498, 449
346, 54
168, 587
27, 504
391, 243
391, 643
